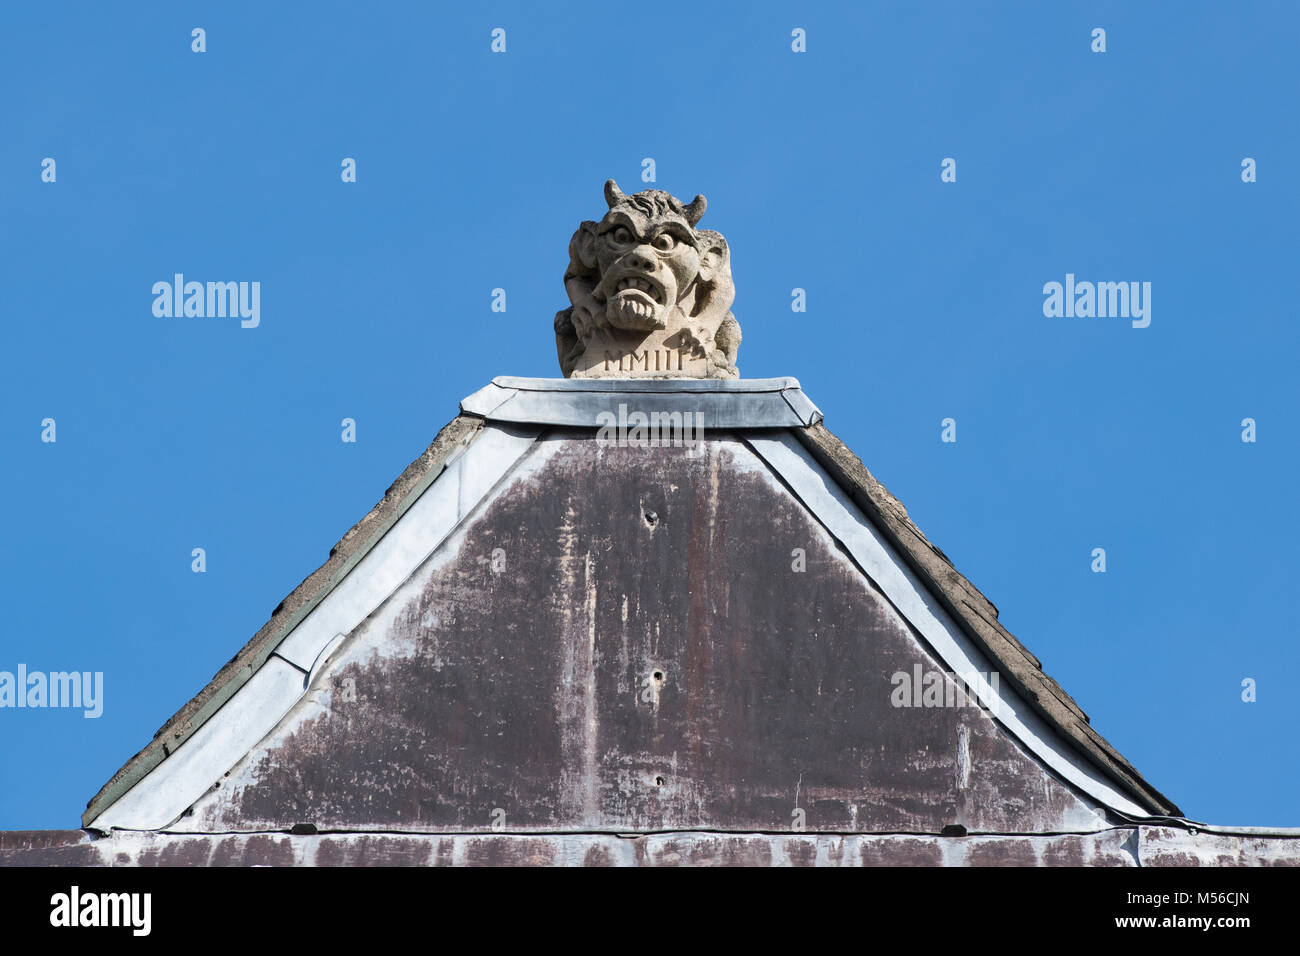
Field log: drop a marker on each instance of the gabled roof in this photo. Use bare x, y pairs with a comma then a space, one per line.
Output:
483, 444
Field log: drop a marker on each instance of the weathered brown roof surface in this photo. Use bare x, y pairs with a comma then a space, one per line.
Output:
971, 610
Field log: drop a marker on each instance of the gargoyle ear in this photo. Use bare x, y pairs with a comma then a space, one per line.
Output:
614, 195
583, 245
713, 255
695, 211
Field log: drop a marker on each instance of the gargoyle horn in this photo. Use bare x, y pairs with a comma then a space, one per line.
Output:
695, 211
613, 195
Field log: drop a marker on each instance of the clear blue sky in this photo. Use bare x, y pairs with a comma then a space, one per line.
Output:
822, 169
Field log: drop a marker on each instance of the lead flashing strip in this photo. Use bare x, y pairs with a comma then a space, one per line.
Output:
591, 403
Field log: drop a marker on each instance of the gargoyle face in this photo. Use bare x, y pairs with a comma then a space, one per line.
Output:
646, 266
646, 281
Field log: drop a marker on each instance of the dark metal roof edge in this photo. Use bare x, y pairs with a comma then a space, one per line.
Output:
350, 549
961, 600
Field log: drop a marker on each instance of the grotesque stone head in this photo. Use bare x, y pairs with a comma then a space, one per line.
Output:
650, 293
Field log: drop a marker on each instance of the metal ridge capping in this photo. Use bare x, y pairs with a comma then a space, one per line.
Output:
723, 403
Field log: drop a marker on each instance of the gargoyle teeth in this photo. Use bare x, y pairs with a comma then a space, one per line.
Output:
641, 285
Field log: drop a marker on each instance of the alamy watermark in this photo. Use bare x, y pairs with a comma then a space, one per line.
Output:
37, 689
1102, 300
212, 300
653, 429
922, 688
75, 908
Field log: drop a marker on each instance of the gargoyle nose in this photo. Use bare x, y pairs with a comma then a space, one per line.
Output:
642, 257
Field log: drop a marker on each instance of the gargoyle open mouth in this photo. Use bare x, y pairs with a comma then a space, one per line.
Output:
639, 284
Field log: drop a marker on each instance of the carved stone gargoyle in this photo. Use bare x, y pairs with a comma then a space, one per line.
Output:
651, 294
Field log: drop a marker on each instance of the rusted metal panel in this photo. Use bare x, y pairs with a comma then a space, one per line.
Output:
1170, 846
621, 641
128, 848
1119, 847
48, 848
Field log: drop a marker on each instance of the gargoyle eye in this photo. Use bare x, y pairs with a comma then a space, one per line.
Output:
622, 234
665, 241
